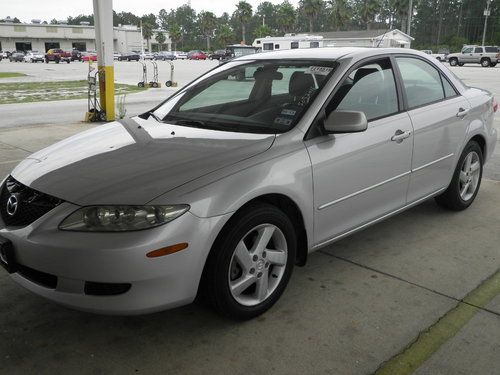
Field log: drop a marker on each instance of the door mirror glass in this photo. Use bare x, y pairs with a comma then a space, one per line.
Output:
345, 122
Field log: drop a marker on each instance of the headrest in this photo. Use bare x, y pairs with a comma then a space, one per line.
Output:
300, 83
267, 74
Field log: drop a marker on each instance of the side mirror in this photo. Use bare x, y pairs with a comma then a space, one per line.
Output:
345, 122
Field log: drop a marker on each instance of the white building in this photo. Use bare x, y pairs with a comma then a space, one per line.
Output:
367, 38
41, 37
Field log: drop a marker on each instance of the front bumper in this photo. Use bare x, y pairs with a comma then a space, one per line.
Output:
79, 258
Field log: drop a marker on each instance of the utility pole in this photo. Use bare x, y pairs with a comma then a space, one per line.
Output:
410, 14
486, 14
264, 20
142, 42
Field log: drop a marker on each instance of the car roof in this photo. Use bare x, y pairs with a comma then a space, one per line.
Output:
328, 53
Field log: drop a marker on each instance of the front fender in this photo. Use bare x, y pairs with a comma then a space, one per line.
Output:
287, 174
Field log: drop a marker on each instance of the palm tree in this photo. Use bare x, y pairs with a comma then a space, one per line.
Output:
311, 9
286, 16
160, 38
175, 34
400, 7
207, 22
243, 13
368, 11
224, 35
340, 13
147, 32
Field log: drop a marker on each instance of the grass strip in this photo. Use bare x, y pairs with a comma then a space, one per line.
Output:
11, 74
25, 92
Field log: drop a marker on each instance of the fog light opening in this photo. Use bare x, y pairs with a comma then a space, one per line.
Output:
167, 250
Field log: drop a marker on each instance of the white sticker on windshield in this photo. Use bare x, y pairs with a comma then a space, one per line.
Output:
320, 70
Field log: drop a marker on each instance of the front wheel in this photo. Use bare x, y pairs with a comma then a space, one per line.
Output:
453, 62
466, 180
250, 263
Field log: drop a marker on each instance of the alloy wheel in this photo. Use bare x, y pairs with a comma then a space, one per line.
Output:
469, 176
258, 264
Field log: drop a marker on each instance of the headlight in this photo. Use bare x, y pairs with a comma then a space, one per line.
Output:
121, 218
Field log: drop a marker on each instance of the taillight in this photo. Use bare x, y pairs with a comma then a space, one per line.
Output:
495, 105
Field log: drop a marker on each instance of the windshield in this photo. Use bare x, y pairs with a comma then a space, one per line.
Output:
249, 96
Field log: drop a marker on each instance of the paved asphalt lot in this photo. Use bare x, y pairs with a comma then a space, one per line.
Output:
420, 288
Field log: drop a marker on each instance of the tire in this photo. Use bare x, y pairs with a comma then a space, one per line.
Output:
267, 275
492, 65
485, 63
168, 83
140, 84
453, 61
57, 61
461, 64
454, 197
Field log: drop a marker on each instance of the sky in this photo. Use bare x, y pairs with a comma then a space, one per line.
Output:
26, 10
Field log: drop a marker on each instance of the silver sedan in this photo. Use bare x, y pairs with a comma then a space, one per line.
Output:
223, 188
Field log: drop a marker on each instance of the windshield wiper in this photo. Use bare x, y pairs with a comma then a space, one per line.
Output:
152, 114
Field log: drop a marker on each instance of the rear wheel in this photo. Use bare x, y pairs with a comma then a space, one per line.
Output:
453, 61
485, 62
466, 180
250, 263
493, 64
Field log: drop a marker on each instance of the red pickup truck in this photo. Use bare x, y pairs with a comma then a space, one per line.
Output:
57, 55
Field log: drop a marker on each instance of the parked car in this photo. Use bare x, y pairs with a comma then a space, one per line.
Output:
484, 55
5, 54
179, 55
165, 55
129, 56
196, 55
57, 55
76, 55
89, 56
17, 56
33, 57
440, 56
222, 195
116, 55
217, 55
147, 56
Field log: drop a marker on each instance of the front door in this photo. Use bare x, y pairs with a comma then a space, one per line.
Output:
359, 177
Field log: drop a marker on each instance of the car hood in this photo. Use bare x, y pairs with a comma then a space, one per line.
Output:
133, 161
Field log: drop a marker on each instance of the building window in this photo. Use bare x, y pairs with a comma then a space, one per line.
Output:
77, 30
51, 29
20, 28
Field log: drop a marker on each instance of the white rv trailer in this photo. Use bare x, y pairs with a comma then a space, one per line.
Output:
290, 41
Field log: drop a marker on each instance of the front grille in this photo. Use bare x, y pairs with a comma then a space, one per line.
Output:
21, 205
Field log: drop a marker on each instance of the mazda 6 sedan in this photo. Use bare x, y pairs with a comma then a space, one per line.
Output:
223, 188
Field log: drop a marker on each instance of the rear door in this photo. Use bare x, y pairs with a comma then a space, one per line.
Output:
439, 117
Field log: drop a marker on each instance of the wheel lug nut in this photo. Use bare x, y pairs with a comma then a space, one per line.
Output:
252, 270
255, 258
259, 274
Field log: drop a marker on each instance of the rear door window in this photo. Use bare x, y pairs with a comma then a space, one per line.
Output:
421, 81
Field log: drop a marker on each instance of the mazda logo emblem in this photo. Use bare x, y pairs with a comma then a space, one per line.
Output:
12, 205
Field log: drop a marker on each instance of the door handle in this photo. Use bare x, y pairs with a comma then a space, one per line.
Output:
400, 135
462, 112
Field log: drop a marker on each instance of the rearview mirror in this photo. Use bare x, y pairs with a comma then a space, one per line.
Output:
345, 122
